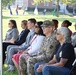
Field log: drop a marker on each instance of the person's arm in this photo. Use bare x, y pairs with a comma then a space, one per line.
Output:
67, 52
22, 37
12, 40
14, 35
61, 63
53, 61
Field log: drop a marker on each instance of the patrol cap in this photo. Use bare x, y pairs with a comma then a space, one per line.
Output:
47, 23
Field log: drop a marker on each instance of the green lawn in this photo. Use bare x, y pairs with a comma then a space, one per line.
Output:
6, 17
9, 73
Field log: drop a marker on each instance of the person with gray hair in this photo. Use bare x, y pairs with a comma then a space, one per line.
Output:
65, 32
63, 56
44, 54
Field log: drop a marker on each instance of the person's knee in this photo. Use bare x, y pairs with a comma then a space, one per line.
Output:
21, 58
36, 66
8, 48
44, 69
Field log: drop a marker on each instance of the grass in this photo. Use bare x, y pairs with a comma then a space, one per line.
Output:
6, 17
9, 73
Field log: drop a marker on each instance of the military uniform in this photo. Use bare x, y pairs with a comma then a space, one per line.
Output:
44, 55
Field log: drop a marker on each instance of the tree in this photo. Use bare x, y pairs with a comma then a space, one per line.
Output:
6, 2
40, 1
72, 2
63, 1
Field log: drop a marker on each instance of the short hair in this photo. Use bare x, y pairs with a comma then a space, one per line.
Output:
24, 22
32, 20
14, 23
66, 33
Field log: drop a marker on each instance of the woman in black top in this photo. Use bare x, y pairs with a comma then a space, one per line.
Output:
63, 56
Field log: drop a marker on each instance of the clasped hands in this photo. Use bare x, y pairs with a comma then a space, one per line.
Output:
24, 52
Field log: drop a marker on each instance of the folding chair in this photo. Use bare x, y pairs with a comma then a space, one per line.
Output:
73, 69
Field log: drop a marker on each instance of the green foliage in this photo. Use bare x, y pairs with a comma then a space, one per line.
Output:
49, 16
6, 2
40, 1
73, 2
65, 1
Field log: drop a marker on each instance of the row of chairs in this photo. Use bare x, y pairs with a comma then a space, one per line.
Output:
73, 69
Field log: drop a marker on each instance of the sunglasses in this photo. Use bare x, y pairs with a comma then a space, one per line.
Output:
57, 33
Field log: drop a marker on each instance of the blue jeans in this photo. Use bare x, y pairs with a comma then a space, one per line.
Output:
36, 66
51, 70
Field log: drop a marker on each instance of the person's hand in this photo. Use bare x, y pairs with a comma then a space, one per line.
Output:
20, 51
27, 56
39, 69
25, 52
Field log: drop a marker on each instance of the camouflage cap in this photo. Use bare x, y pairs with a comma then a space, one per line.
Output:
47, 23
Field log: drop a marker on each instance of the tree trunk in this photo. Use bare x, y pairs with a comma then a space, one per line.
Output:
57, 8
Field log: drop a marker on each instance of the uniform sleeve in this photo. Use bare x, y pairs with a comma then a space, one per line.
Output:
36, 46
67, 51
39, 57
50, 52
47, 55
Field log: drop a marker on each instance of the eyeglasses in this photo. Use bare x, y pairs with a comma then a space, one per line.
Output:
57, 33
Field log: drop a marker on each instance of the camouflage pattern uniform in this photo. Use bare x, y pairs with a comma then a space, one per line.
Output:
44, 55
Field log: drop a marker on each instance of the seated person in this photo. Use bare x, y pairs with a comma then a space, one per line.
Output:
13, 49
73, 38
21, 38
67, 23
11, 35
34, 45
56, 24
45, 53
63, 56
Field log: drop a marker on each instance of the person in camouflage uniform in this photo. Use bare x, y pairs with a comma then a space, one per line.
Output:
26, 63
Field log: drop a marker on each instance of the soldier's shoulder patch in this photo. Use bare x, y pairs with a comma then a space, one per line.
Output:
51, 46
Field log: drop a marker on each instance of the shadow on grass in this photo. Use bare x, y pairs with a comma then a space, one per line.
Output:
8, 17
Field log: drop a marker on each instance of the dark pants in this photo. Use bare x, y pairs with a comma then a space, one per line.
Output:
4, 47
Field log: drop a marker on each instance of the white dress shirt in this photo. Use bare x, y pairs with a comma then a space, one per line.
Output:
35, 44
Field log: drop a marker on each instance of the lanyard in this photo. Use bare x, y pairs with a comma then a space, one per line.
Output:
33, 39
